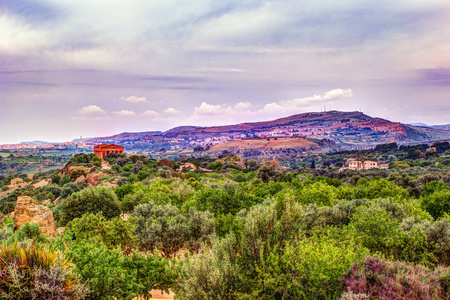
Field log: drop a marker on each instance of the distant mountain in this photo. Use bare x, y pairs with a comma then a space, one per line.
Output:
35, 143
343, 130
180, 129
122, 137
442, 127
420, 124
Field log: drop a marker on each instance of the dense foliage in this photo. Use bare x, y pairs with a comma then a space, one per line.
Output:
227, 228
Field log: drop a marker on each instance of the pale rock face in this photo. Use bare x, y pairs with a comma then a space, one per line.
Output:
57, 200
61, 230
42, 183
80, 179
93, 178
110, 185
67, 170
48, 201
27, 210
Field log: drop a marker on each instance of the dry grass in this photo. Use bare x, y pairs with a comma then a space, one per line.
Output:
264, 144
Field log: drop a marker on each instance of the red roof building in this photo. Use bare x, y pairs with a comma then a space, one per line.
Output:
104, 149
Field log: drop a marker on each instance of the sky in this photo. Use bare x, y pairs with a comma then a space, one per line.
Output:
101, 67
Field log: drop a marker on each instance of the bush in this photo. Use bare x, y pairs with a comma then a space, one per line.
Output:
111, 233
379, 230
69, 189
28, 232
436, 199
303, 269
112, 275
379, 279
56, 179
91, 200
230, 266
50, 196
213, 274
162, 227
65, 179
77, 173
37, 272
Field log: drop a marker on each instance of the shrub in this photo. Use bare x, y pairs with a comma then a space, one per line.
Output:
77, 173
436, 199
111, 233
163, 227
69, 189
50, 196
56, 179
303, 269
318, 193
160, 227
91, 200
112, 275
213, 274
37, 272
28, 232
200, 229
65, 179
381, 279
379, 230
165, 163
268, 172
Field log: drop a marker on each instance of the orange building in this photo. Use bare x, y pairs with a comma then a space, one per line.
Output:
105, 149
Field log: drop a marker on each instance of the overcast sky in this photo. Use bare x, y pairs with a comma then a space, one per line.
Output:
94, 68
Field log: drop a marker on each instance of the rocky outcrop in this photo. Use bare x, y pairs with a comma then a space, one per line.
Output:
42, 183
93, 178
106, 165
27, 210
61, 230
68, 169
81, 179
110, 185
47, 202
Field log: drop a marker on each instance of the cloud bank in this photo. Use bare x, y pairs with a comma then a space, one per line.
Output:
210, 114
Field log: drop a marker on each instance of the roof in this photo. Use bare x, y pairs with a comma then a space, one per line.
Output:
107, 146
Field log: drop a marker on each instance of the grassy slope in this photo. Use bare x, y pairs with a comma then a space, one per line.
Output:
264, 144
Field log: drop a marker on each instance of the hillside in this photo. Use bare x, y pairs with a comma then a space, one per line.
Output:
346, 129
271, 146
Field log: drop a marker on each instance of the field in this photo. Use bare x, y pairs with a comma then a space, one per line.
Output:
266, 144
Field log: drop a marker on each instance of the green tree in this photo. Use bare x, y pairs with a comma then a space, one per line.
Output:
200, 228
436, 198
65, 179
160, 227
112, 233
110, 274
77, 173
303, 269
91, 200
56, 179
267, 172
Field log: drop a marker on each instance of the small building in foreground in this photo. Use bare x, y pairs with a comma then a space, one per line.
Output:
104, 149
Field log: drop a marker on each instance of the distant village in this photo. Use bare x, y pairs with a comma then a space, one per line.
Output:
345, 132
